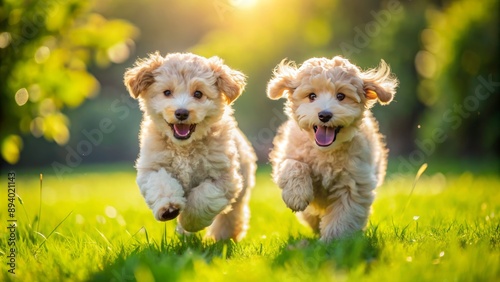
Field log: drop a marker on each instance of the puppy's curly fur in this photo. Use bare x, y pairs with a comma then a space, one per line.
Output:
329, 156
194, 162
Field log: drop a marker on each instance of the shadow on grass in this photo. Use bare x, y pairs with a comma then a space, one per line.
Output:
166, 261
303, 256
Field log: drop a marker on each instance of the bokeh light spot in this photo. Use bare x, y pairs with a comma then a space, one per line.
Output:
5, 39
21, 96
42, 54
426, 64
118, 53
110, 212
11, 146
37, 127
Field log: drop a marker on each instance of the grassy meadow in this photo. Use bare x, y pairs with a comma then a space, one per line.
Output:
96, 226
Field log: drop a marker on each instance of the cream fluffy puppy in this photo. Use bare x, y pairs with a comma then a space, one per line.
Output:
194, 162
329, 156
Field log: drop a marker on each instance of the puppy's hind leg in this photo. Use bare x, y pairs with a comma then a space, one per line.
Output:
348, 214
234, 224
204, 203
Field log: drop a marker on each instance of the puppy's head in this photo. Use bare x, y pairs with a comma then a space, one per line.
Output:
327, 97
183, 94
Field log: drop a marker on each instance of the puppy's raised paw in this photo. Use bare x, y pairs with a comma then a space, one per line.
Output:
167, 209
168, 213
298, 198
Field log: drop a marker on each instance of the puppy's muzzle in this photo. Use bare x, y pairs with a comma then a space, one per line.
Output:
325, 135
182, 130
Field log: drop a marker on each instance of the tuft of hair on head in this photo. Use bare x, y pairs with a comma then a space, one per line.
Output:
138, 78
230, 82
283, 80
379, 83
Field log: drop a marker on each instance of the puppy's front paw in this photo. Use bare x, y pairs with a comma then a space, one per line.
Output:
167, 213
298, 198
162, 193
168, 208
294, 178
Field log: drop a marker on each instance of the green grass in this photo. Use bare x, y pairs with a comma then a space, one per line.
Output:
450, 231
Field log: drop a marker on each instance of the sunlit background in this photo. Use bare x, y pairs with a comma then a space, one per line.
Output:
62, 64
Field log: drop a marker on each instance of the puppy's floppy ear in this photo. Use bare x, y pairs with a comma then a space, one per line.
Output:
230, 82
283, 81
379, 83
138, 78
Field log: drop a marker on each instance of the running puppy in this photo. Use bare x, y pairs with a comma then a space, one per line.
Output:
194, 162
329, 156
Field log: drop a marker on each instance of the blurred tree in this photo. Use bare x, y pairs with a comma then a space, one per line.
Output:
45, 49
459, 79
441, 51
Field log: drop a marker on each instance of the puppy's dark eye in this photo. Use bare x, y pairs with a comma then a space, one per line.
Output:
312, 97
167, 93
197, 94
340, 96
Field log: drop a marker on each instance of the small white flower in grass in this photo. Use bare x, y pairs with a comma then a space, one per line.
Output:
263, 237
416, 217
441, 254
110, 211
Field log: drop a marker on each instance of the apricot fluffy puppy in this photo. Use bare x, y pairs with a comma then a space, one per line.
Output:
329, 156
194, 162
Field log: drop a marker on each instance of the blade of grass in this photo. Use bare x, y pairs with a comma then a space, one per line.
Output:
41, 235
105, 239
147, 236
132, 236
421, 170
39, 206
25, 212
163, 243
53, 230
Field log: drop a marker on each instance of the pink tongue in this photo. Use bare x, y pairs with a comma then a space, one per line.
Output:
325, 135
182, 129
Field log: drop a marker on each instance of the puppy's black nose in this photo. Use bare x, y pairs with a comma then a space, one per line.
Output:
325, 116
181, 114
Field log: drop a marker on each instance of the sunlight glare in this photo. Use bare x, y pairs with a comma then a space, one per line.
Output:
243, 3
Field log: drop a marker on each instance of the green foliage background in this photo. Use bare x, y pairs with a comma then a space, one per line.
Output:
47, 47
441, 51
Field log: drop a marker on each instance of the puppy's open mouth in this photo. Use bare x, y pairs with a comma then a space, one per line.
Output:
182, 131
325, 135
